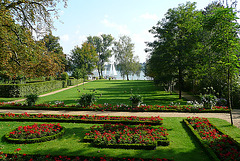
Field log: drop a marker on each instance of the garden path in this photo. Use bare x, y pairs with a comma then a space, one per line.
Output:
224, 116
47, 94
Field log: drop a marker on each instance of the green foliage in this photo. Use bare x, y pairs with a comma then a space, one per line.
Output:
31, 99
87, 99
136, 98
102, 45
83, 60
125, 60
64, 76
20, 90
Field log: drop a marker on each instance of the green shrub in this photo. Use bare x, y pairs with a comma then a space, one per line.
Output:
31, 99
21, 90
87, 99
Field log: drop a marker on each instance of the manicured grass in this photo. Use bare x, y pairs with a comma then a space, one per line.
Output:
115, 92
182, 146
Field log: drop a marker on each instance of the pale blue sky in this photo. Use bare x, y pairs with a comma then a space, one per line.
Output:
133, 18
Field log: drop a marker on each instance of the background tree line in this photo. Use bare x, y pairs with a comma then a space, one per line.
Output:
196, 49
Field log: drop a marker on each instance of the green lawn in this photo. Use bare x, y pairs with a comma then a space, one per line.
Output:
183, 146
115, 92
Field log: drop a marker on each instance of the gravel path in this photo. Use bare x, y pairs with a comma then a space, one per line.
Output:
224, 116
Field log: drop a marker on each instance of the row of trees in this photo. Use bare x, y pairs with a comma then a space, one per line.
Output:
96, 52
196, 49
25, 56
21, 54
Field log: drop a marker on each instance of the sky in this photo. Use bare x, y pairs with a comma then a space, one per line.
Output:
133, 18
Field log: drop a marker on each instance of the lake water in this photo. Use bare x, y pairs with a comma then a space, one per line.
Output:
119, 77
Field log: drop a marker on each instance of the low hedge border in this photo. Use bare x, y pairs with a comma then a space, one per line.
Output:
160, 122
36, 140
129, 146
205, 146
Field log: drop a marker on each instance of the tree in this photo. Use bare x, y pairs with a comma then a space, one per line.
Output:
223, 41
102, 44
19, 51
84, 58
176, 38
32, 14
53, 46
123, 51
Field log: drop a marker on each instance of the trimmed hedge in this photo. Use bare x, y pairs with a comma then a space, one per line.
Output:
72, 82
129, 146
20, 90
36, 140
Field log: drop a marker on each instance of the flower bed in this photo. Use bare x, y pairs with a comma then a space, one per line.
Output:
131, 137
216, 143
82, 118
35, 133
109, 107
4, 156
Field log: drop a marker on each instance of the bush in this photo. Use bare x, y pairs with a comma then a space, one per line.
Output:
21, 90
87, 99
31, 99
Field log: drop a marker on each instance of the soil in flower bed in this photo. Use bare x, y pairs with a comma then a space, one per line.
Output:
34, 133
123, 136
221, 144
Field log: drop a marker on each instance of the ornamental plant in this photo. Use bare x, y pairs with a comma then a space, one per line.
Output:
31, 99
115, 134
209, 99
34, 131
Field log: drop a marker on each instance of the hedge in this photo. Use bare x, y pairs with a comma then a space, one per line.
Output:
129, 146
36, 140
21, 90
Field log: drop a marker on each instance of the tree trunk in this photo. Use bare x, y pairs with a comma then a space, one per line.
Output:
127, 78
180, 83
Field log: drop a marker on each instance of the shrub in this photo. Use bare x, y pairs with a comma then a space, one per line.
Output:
87, 99
31, 99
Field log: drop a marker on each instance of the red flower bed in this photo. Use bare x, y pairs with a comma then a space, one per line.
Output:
27, 157
153, 120
224, 147
35, 131
122, 107
114, 134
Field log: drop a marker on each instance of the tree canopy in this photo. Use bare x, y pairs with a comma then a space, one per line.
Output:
123, 52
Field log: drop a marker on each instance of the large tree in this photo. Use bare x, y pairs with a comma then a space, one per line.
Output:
175, 39
84, 58
19, 51
102, 44
126, 61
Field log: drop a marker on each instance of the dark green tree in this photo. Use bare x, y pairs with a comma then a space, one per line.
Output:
171, 54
